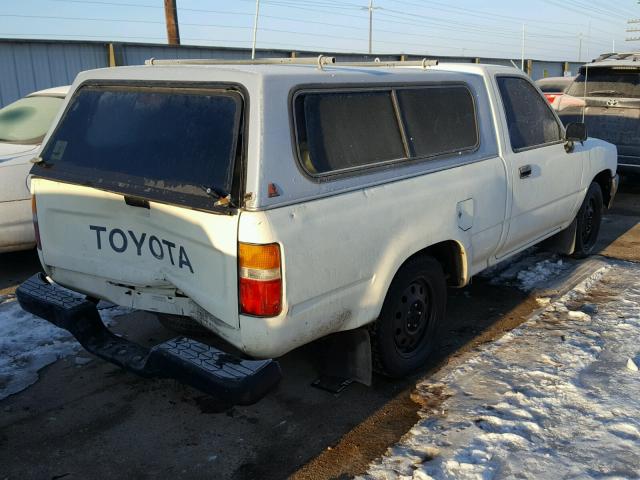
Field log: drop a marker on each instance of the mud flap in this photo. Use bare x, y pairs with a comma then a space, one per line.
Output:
232, 379
564, 242
346, 358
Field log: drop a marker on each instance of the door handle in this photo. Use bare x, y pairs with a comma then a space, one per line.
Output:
525, 171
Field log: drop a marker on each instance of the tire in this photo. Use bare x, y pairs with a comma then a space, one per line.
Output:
182, 325
588, 222
404, 335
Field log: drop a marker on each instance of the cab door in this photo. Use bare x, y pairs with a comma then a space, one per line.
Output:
545, 178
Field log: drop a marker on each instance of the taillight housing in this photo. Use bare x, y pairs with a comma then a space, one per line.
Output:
260, 279
551, 97
36, 227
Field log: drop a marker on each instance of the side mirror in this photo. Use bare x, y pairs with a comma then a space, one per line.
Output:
576, 132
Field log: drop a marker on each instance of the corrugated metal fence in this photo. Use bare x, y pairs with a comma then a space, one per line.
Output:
29, 65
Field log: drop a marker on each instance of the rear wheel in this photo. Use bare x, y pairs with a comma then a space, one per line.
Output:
588, 221
404, 335
182, 325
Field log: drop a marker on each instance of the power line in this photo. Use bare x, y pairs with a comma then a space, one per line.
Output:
291, 32
543, 40
491, 15
283, 2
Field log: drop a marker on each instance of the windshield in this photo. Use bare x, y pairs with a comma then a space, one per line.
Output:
606, 82
170, 144
28, 119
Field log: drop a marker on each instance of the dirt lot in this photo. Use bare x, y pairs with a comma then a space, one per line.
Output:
92, 420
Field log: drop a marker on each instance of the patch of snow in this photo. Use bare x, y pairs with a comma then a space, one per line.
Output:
527, 272
538, 274
578, 315
551, 399
29, 343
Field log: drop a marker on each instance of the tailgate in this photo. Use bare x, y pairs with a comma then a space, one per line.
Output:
93, 232
617, 123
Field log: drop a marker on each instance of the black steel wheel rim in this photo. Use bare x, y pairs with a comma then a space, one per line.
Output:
588, 217
412, 316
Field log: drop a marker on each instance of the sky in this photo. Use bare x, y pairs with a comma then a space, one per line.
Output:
571, 30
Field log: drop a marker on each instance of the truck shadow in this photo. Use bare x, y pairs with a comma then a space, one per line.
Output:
618, 223
16, 267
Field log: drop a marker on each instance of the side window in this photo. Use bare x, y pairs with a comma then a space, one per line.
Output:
344, 130
529, 117
438, 119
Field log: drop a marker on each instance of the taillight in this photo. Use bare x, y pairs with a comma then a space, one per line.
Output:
551, 97
260, 279
36, 228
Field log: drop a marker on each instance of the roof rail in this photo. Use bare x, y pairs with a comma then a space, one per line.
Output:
321, 61
424, 63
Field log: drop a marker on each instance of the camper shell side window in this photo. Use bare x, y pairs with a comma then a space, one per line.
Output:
343, 130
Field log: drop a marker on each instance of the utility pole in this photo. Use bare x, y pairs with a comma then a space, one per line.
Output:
633, 30
522, 52
371, 8
255, 30
171, 18
588, 41
630, 22
580, 47
370, 26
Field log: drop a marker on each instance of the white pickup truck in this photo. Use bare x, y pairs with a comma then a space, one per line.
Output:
277, 204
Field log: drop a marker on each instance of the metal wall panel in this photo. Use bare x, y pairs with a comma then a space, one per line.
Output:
505, 62
27, 66
547, 69
574, 67
136, 54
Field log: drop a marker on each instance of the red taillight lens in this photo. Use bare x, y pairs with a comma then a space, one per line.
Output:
551, 97
260, 298
36, 228
260, 279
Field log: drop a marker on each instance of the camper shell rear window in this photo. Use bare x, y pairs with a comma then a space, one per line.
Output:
170, 144
621, 82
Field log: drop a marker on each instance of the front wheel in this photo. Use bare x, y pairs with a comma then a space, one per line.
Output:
404, 335
588, 222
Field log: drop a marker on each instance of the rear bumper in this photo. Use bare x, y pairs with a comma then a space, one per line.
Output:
628, 160
628, 168
628, 163
232, 379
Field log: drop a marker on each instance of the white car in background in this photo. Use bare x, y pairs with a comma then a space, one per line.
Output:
23, 125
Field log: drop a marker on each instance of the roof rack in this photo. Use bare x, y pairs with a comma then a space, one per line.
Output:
633, 56
321, 61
